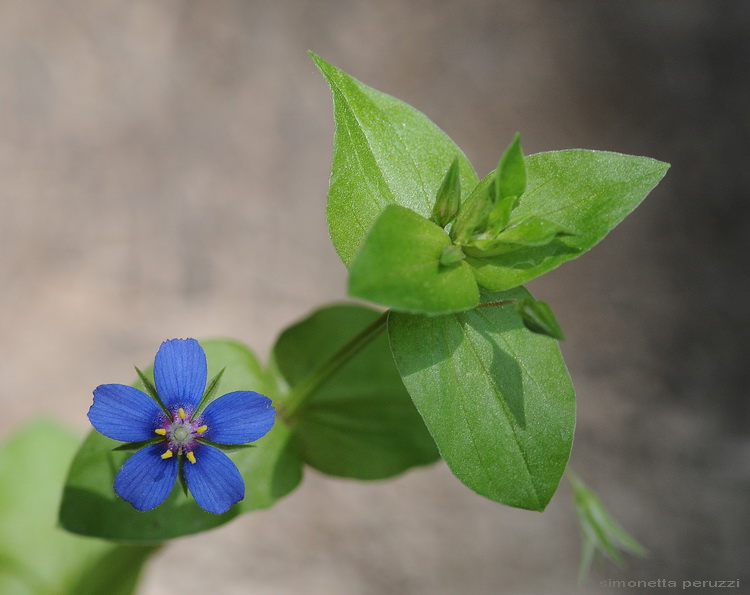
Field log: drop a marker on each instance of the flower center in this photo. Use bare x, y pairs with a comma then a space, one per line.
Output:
181, 433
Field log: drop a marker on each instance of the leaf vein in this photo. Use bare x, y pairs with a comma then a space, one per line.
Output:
501, 401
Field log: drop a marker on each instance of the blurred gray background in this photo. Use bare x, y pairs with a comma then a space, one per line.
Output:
164, 168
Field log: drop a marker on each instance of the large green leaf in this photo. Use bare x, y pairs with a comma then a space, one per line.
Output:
385, 152
585, 193
399, 266
36, 556
497, 398
271, 469
360, 422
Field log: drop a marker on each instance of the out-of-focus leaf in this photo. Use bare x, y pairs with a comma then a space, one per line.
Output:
36, 556
602, 535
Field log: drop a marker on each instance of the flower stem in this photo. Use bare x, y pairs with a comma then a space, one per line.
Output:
298, 395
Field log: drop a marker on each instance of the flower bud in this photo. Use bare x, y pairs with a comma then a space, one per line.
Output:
448, 198
538, 318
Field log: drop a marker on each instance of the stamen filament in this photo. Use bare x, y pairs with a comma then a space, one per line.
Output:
191, 457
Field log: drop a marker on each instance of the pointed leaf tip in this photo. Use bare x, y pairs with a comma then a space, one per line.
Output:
385, 152
448, 198
316, 59
510, 178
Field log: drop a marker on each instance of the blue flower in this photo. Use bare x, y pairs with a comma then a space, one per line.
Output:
178, 432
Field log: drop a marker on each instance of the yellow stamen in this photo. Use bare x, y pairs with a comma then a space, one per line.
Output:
167, 455
182, 413
191, 457
161, 431
201, 429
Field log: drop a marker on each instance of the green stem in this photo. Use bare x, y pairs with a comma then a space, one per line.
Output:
497, 303
299, 394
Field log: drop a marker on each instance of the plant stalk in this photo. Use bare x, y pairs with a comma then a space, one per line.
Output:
299, 394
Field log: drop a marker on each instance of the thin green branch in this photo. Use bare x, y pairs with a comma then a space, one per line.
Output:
299, 394
497, 303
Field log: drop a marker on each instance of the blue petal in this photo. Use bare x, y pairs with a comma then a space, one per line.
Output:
180, 372
146, 479
214, 480
125, 413
238, 418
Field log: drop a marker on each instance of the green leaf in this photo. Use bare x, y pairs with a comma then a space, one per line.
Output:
271, 470
601, 533
510, 176
35, 555
116, 572
90, 506
399, 266
385, 152
586, 193
448, 199
538, 318
360, 423
497, 399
